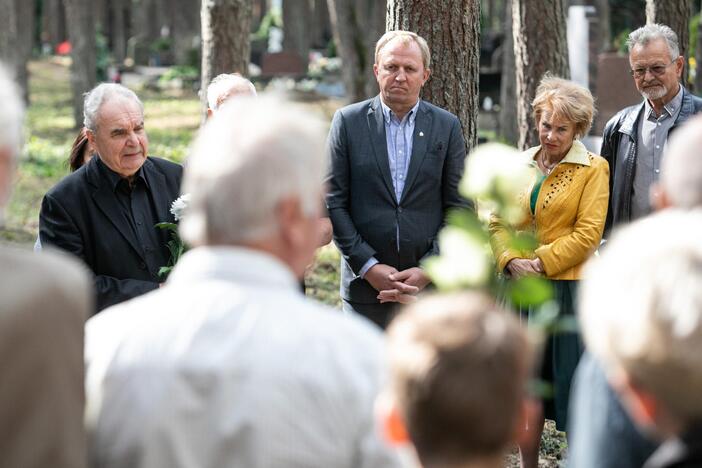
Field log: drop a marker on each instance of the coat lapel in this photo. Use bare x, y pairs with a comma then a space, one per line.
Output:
420, 140
376, 127
106, 201
157, 185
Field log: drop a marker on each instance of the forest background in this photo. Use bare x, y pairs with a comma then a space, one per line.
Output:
487, 59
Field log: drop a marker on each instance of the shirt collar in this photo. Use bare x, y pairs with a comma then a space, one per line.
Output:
577, 154
114, 178
236, 264
388, 113
671, 108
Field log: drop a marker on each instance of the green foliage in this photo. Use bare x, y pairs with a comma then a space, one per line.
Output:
176, 247
273, 18
183, 72
102, 55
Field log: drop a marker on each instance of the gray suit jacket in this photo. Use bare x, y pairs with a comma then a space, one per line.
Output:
361, 200
44, 302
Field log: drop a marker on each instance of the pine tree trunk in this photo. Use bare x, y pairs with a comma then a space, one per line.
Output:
296, 28
320, 27
186, 26
452, 29
16, 38
698, 56
605, 36
357, 25
509, 130
226, 48
676, 14
119, 30
53, 23
539, 32
81, 33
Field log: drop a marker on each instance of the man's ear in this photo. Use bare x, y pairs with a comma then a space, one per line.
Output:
427, 74
209, 113
375, 69
391, 421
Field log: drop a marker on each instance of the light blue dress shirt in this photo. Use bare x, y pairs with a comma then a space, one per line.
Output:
398, 139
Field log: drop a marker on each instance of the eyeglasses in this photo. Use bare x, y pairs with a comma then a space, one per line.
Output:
656, 70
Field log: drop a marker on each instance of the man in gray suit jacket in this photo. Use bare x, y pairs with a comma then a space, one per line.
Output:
395, 166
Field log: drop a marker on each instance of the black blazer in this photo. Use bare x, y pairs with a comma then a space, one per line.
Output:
361, 199
81, 215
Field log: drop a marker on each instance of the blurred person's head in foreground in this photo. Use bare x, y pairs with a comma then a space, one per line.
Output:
225, 87
459, 366
11, 117
255, 176
680, 185
641, 312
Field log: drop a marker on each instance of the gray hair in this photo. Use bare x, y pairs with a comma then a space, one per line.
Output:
246, 159
11, 114
96, 97
681, 169
641, 308
226, 85
651, 32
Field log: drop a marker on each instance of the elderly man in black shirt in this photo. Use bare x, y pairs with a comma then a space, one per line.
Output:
105, 212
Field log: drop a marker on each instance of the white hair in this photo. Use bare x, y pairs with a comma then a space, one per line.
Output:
227, 85
641, 308
681, 169
245, 160
96, 97
11, 114
651, 32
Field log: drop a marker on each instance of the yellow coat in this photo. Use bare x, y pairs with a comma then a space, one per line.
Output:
569, 217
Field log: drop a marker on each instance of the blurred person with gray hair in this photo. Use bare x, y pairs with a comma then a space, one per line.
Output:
229, 364
642, 319
44, 302
105, 212
226, 86
597, 413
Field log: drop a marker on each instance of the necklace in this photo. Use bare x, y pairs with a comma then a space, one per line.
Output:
547, 168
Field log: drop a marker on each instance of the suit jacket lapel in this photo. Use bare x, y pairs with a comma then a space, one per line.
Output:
376, 127
107, 203
420, 140
157, 185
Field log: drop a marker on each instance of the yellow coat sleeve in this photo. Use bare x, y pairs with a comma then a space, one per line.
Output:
572, 249
499, 240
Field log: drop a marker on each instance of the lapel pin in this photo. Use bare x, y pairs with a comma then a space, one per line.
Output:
421, 133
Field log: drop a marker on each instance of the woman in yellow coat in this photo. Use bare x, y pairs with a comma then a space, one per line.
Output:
567, 206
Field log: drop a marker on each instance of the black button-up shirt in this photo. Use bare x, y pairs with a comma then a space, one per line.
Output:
137, 206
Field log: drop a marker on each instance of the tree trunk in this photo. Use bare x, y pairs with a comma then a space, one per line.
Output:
119, 30
320, 28
357, 25
539, 33
508, 84
53, 23
296, 28
81, 33
698, 56
452, 29
676, 14
225, 39
605, 36
186, 27
16, 38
